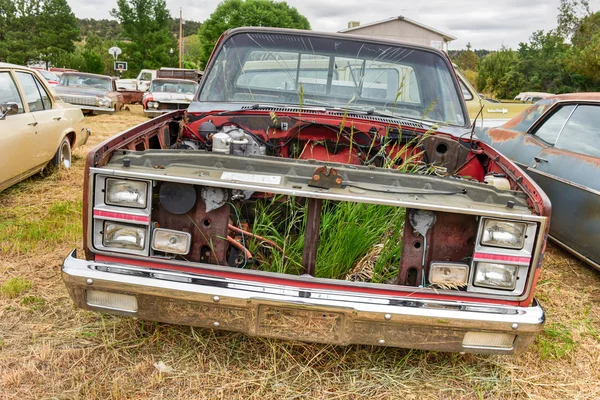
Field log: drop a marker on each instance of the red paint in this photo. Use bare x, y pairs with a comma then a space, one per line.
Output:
123, 216
499, 257
300, 285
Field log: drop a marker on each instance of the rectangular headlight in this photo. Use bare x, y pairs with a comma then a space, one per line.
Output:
124, 236
172, 242
496, 276
448, 274
510, 235
126, 193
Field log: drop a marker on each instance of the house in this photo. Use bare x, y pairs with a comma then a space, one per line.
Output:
404, 29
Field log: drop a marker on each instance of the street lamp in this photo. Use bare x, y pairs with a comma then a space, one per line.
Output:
171, 57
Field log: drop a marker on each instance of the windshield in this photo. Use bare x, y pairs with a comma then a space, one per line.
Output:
96, 82
49, 76
173, 86
309, 70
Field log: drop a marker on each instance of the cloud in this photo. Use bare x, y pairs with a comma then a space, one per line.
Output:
486, 24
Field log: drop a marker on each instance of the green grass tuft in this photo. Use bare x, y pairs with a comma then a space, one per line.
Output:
14, 286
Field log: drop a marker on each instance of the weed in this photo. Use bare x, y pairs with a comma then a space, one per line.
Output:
556, 341
15, 286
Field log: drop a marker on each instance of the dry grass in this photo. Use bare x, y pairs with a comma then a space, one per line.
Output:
48, 349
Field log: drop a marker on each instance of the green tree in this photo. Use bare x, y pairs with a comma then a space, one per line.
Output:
18, 30
235, 13
145, 23
570, 15
492, 71
58, 29
468, 60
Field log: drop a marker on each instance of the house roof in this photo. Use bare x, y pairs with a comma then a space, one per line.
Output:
448, 38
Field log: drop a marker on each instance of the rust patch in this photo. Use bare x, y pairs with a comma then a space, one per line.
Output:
595, 161
500, 135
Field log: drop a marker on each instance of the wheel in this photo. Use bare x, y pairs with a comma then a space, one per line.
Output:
62, 158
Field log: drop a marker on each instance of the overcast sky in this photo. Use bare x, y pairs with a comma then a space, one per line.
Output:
486, 24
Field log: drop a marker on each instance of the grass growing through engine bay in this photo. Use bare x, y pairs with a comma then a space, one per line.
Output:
349, 233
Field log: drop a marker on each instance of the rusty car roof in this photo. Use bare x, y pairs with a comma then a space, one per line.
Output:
594, 96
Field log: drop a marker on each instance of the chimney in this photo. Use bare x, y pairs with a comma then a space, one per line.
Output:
353, 24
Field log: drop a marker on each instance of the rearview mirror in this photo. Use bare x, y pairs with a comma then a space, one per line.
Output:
8, 109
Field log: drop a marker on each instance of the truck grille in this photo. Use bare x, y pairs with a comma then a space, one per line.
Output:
81, 100
173, 106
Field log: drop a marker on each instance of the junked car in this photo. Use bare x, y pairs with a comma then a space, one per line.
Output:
484, 112
166, 95
557, 142
339, 205
36, 127
94, 94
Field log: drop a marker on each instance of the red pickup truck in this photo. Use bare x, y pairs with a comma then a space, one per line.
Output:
320, 187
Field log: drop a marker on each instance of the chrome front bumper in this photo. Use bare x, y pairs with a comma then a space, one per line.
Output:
155, 113
96, 110
310, 315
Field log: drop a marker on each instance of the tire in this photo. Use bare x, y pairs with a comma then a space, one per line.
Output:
62, 158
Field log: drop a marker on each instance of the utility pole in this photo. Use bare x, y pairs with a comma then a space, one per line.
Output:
180, 37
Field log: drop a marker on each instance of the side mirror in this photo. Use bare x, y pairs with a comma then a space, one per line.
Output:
8, 109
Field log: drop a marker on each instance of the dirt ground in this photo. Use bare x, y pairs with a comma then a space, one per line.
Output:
50, 350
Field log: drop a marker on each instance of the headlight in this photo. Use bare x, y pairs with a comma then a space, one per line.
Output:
448, 274
103, 102
126, 193
496, 276
172, 242
505, 234
124, 236
152, 104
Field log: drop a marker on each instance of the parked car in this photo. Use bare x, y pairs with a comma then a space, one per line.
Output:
50, 78
146, 76
166, 95
94, 94
557, 142
489, 113
339, 205
37, 128
532, 97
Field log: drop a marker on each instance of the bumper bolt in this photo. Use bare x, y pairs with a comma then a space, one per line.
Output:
89, 281
515, 326
216, 299
387, 317
216, 323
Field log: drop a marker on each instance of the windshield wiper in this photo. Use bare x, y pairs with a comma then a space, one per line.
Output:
267, 106
373, 111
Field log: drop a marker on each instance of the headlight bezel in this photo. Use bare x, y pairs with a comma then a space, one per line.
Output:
522, 258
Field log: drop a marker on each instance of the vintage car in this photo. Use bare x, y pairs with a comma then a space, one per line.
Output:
346, 205
484, 112
94, 94
36, 127
166, 95
557, 142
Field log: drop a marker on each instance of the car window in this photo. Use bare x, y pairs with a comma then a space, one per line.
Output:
9, 92
146, 76
581, 134
45, 97
550, 128
32, 93
465, 91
